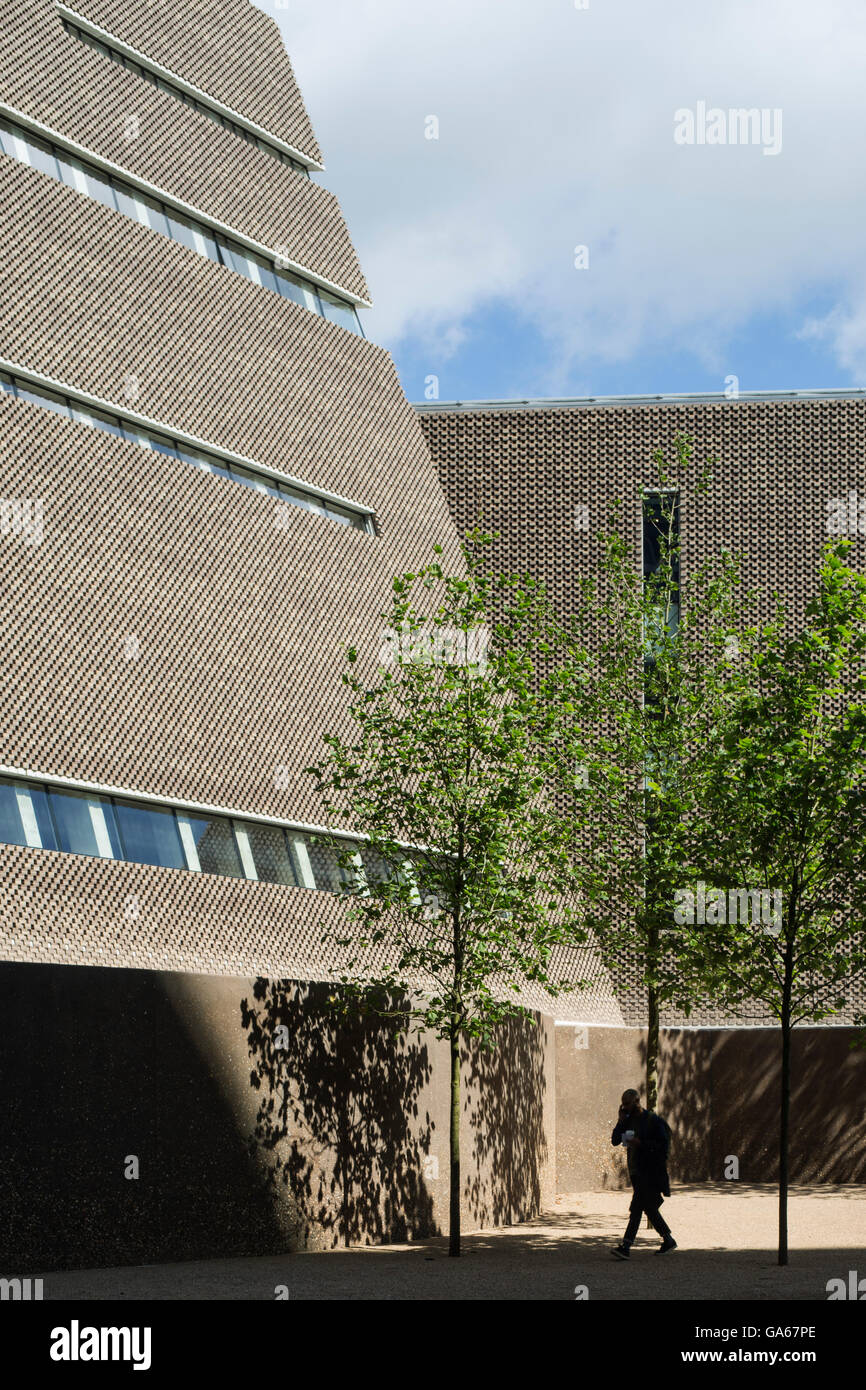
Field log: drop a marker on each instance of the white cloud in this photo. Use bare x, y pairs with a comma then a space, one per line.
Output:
556, 128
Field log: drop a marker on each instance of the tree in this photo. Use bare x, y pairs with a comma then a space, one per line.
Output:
465, 882
786, 815
644, 733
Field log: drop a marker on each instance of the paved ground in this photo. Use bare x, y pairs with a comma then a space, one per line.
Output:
726, 1234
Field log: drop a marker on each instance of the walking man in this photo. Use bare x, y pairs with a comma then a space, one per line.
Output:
646, 1139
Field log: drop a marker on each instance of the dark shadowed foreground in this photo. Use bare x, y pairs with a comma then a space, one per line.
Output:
727, 1251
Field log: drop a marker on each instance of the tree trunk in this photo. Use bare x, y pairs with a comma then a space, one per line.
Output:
652, 1056
652, 1049
454, 1223
784, 1126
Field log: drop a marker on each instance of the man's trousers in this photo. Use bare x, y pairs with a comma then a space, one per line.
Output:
647, 1199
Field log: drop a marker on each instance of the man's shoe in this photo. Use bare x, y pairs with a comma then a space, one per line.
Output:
667, 1244
621, 1252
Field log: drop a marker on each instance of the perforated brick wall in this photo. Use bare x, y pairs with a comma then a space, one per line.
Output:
78, 92
528, 473
239, 623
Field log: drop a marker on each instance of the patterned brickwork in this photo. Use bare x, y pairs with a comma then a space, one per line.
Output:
529, 473
179, 150
73, 910
233, 51
239, 622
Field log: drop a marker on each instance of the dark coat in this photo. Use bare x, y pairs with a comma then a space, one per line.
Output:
648, 1162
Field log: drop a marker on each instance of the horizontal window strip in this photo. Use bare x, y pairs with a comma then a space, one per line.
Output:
159, 216
49, 816
288, 493
142, 69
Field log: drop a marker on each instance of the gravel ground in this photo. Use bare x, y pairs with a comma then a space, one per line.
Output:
727, 1250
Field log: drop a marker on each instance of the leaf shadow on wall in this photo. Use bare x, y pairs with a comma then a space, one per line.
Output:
503, 1103
341, 1130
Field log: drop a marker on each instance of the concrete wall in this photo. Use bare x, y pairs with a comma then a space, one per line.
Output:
719, 1091
243, 1148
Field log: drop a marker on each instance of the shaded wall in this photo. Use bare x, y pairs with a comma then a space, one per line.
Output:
719, 1091
244, 1147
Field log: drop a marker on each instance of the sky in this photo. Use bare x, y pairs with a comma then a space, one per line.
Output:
715, 254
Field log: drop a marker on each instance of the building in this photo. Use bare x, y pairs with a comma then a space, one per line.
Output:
789, 474
208, 477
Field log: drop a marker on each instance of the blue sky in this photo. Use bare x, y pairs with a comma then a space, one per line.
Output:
737, 254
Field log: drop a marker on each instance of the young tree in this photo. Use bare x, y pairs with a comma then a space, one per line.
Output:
786, 812
466, 881
644, 734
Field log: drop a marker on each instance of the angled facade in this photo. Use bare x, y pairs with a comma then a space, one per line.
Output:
208, 478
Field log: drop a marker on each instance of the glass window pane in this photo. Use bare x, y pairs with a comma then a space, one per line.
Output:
72, 172
7, 384
376, 868
270, 853
338, 311
24, 816
47, 399
254, 481
225, 253
149, 835
215, 845
298, 499
162, 446
181, 230
93, 42
129, 203
207, 465
41, 156
6, 138
98, 420
327, 871
136, 436
99, 187
156, 218
246, 265
292, 288
85, 824
267, 278
204, 243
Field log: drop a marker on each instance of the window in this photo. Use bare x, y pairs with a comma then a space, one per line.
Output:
162, 444
326, 870
24, 816
149, 212
122, 827
661, 530
214, 844
179, 94
149, 835
85, 824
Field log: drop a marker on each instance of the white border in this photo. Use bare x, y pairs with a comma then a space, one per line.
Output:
188, 88
231, 233
159, 427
